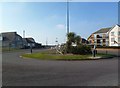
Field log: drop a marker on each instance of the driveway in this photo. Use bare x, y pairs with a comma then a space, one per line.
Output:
17, 71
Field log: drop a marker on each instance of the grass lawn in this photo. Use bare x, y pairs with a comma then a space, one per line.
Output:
9, 50
52, 55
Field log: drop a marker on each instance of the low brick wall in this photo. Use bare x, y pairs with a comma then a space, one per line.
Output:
109, 51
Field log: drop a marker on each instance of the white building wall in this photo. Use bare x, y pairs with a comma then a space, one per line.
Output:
114, 36
118, 36
1, 41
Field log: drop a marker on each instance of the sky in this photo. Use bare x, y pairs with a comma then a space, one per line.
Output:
46, 21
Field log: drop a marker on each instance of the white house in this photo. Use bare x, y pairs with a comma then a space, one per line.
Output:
114, 36
106, 37
100, 37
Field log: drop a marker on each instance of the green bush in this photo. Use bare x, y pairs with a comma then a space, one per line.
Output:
81, 49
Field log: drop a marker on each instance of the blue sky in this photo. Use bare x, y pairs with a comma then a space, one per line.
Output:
47, 20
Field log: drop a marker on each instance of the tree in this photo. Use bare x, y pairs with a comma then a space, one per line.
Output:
77, 40
78, 49
71, 38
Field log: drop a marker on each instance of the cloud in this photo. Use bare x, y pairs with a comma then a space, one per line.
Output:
54, 16
60, 26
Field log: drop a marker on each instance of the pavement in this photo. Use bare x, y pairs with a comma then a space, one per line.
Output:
109, 51
17, 71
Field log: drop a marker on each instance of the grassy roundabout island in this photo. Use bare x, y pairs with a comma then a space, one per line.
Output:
68, 51
52, 55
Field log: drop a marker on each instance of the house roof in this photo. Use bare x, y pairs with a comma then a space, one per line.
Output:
84, 40
29, 40
118, 25
103, 30
8, 36
89, 37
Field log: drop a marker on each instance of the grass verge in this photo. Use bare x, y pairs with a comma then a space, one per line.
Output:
51, 55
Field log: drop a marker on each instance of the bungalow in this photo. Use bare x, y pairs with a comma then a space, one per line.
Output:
11, 39
106, 37
28, 42
84, 41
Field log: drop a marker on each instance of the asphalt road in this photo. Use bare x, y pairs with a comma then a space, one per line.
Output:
17, 71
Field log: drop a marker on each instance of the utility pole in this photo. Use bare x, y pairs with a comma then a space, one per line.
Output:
67, 16
46, 41
23, 33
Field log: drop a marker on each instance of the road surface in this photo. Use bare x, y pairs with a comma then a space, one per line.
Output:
17, 71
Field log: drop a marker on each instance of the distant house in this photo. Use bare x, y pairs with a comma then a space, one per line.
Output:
91, 39
38, 45
28, 42
11, 39
101, 37
106, 37
84, 41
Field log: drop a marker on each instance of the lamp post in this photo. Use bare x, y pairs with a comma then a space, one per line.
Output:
94, 50
31, 47
56, 41
56, 44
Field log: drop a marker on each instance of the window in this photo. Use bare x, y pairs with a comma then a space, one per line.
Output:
112, 33
107, 36
112, 39
99, 36
98, 41
118, 39
118, 33
104, 40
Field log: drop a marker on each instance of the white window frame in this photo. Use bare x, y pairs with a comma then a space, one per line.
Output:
112, 33
118, 39
112, 39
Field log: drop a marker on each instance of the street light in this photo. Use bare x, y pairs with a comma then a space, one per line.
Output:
56, 41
